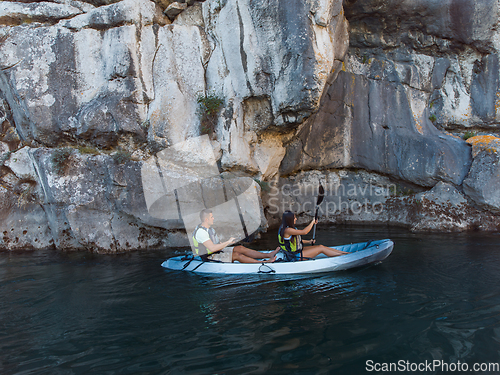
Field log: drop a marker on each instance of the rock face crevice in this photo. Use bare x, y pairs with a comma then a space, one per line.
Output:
359, 94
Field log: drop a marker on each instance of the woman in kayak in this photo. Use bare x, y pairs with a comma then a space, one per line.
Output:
291, 242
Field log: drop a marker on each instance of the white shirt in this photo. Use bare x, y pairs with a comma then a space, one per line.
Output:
202, 235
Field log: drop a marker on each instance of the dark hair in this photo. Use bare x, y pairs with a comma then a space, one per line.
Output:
286, 222
204, 213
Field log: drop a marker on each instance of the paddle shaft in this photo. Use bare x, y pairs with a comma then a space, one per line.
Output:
314, 229
321, 194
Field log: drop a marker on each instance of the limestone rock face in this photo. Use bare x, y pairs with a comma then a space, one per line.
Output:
87, 78
482, 182
462, 38
273, 66
18, 13
271, 76
403, 83
358, 197
174, 9
179, 79
99, 3
105, 74
443, 208
118, 74
367, 94
363, 197
91, 202
467, 21
276, 53
376, 125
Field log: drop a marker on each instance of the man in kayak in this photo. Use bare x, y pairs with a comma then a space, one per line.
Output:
291, 243
207, 245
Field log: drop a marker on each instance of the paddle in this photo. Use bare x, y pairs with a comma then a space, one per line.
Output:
321, 195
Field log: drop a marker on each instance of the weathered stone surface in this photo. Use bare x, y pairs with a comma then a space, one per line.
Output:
363, 197
23, 227
386, 119
106, 75
480, 143
483, 180
21, 164
120, 75
392, 22
84, 83
174, 9
164, 3
8, 133
125, 12
272, 56
349, 196
99, 3
377, 125
271, 62
461, 35
443, 208
192, 16
80, 4
95, 204
268, 153
178, 75
45, 12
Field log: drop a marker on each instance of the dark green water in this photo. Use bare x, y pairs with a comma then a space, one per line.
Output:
437, 297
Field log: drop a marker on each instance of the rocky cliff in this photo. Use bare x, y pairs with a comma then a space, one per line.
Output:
372, 99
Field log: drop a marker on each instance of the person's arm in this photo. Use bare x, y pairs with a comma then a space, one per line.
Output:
216, 247
300, 232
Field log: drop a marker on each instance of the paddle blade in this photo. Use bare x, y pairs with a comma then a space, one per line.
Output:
321, 195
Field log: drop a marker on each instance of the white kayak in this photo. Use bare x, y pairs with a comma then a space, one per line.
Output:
360, 254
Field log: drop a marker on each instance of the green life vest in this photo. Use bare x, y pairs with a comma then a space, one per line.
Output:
292, 245
199, 248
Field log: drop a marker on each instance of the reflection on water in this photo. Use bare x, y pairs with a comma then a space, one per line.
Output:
435, 297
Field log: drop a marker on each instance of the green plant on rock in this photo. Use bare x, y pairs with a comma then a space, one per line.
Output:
88, 150
400, 191
433, 118
393, 190
264, 186
60, 158
469, 134
121, 157
209, 107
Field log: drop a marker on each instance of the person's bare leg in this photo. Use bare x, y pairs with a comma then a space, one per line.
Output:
254, 253
245, 259
313, 251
